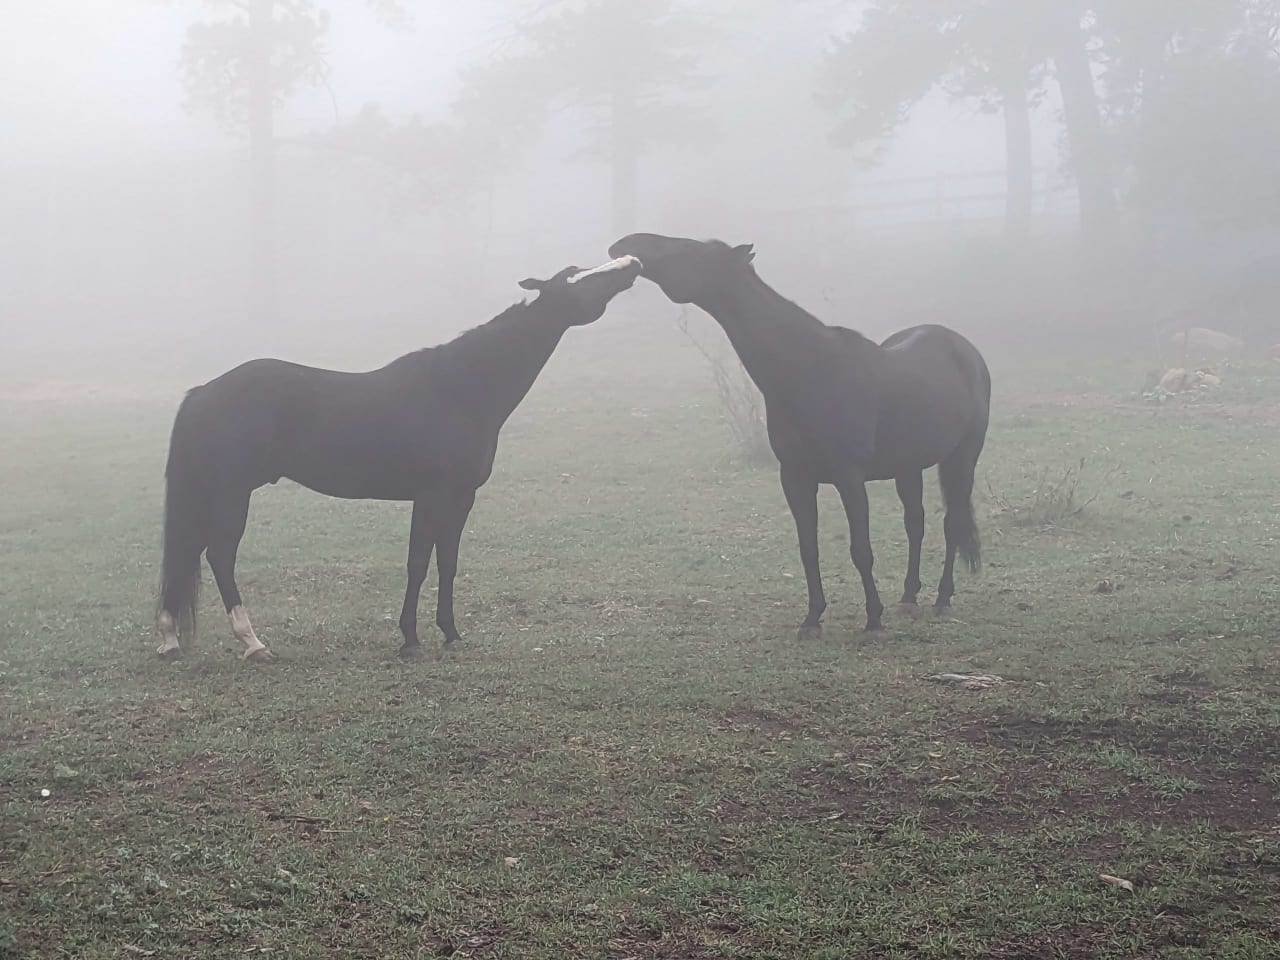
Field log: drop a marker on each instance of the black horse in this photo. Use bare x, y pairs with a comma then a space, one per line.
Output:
842, 409
422, 428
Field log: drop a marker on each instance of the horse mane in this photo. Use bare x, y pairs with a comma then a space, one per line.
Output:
477, 337
791, 313
861, 337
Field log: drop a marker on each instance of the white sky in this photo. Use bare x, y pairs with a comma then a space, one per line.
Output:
101, 77
96, 74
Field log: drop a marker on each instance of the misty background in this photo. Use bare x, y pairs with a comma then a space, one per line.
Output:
187, 184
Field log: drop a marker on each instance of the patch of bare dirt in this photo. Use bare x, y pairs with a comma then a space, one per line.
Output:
774, 725
1029, 779
1175, 742
1180, 688
1033, 790
215, 775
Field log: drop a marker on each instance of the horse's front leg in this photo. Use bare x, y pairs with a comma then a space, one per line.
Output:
801, 491
853, 493
454, 510
420, 547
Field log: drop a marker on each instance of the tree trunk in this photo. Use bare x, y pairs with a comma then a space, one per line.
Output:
262, 272
624, 155
1086, 144
1017, 150
1144, 158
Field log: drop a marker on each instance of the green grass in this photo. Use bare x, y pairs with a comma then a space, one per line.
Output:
632, 756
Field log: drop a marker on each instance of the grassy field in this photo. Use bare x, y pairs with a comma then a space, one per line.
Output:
631, 756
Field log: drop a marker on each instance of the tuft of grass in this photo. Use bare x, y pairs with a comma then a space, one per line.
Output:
1054, 498
1142, 769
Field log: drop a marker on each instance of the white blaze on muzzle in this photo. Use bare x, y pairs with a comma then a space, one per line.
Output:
619, 264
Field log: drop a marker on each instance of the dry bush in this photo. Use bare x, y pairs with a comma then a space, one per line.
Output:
742, 403
1055, 498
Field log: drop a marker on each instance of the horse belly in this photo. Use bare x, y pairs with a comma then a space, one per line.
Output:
917, 432
901, 463
354, 477
358, 489
352, 486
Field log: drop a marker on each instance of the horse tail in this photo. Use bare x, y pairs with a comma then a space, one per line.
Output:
955, 476
955, 473
185, 527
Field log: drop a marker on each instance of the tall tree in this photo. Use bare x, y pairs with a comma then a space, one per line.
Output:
629, 68
996, 51
974, 49
1082, 116
1192, 98
999, 62
240, 68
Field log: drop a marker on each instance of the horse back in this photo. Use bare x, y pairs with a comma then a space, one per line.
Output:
930, 356
935, 396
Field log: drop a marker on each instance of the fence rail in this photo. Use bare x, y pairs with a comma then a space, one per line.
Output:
166, 226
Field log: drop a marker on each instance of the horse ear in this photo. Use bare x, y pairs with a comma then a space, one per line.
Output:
746, 251
529, 283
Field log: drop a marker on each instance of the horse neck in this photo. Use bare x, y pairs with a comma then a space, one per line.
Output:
498, 363
777, 342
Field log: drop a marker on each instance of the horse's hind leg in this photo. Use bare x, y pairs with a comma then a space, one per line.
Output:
911, 493
230, 514
947, 585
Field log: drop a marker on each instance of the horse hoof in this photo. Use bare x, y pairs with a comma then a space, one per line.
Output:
875, 635
808, 634
411, 651
911, 610
169, 653
260, 655
942, 609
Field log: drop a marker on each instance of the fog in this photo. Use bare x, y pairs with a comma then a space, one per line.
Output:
580, 650
415, 163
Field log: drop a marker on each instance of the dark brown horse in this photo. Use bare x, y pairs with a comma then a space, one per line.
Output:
842, 409
423, 428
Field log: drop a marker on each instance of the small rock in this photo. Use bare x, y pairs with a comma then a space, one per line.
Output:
1180, 380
